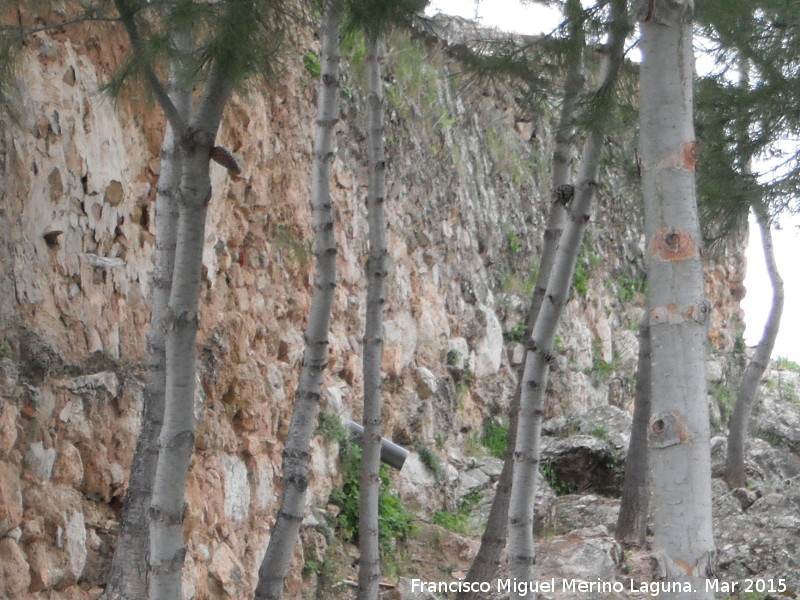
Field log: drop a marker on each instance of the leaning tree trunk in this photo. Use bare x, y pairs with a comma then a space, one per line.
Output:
493, 540
521, 554
369, 549
272, 573
632, 517
678, 432
748, 389
128, 576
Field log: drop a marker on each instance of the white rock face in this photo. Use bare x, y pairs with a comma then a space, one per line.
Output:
489, 350
237, 489
40, 460
75, 534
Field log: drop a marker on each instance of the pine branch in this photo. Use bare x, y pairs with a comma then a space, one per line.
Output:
127, 16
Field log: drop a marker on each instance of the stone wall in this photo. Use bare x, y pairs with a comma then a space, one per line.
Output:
467, 200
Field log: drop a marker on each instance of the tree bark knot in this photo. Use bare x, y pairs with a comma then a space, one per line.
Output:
666, 429
673, 315
564, 194
674, 245
667, 568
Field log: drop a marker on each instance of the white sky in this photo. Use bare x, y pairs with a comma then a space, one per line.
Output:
511, 15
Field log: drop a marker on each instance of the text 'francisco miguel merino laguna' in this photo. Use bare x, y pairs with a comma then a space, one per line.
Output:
551, 585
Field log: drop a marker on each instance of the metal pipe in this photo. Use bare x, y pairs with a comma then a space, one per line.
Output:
392, 454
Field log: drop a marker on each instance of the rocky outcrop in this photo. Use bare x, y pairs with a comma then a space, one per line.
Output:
467, 199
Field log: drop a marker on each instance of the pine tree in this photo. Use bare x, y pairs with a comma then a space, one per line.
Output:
235, 34
678, 431
274, 567
521, 554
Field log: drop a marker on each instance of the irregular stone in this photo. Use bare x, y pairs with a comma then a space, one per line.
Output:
576, 557
778, 420
98, 386
489, 348
427, 382
400, 343
8, 428
626, 348
68, 467
40, 460
226, 568
75, 543
10, 498
16, 573
574, 513
237, 488
581, 463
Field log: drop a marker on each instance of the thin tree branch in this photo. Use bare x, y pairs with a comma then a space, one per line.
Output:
126, 15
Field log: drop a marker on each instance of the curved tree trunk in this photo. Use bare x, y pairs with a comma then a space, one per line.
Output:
632, 518
678, 432
748, 389
369, 549
128, 577
521, 555
493, 540
272, 573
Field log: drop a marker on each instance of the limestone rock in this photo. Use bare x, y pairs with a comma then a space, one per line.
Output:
10, 498
16, 576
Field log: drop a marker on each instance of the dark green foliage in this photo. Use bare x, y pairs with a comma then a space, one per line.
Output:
586, 262
377, 16
518, 333
428, 458
495, 439
395, 521
244, 38
458, 522
629, 287
312, 64
745, 119
550, 473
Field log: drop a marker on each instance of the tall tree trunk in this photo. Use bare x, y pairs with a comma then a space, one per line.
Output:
521, 556
272, 573
748, 389
369, 549
176, 442
678, 432
632, 518
560, 187
128, 577
493, 540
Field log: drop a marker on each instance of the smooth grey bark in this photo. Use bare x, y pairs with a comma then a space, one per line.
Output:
678, 431
521, 554
748, 389
561, 189
128, 575
493, 540
176, 442
369, 569
272, 573
632, 517
176, 439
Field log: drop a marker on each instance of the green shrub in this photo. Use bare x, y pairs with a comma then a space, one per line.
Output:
458, 522
495, 439
312, 64
784, 364
551, 475
395, 521
518, 333
431, 462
